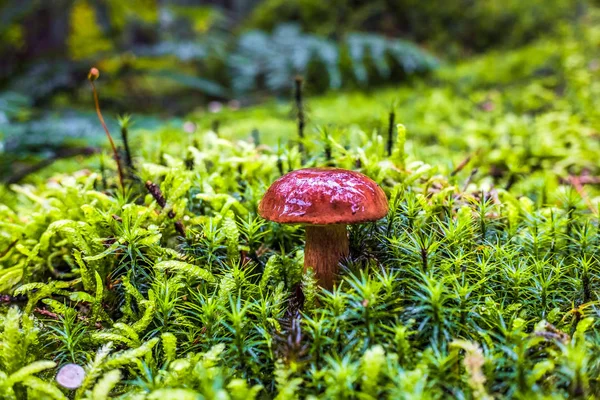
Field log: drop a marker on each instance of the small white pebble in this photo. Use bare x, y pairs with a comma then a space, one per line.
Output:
189, 127
215, 106
70, 376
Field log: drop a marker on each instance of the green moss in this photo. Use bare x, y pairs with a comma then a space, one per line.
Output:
481, 282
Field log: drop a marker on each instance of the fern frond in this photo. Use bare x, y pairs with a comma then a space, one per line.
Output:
103, 387
149, 309
26, 371
127, 357
288, 52
97, 304
189, 270
183, 394
37, 386
169, 344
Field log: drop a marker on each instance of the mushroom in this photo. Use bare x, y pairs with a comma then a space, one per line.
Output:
70, 376
325, 200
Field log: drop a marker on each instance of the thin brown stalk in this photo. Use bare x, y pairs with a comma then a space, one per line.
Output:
92, 76
461, 166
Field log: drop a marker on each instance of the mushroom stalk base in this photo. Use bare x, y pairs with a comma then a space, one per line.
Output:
326, 245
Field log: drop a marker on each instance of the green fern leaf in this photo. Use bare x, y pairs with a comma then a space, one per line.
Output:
149, 309
129, 356
11, 353
37, 386
189, 270
102, 389
28, 370
97, 305
181, 394
169, 343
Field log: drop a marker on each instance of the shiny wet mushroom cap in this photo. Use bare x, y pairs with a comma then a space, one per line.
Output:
320, 196
325, 200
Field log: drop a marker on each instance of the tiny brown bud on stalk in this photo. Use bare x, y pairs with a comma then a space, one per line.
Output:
93, 74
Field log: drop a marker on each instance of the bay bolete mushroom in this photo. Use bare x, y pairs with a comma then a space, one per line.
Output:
325, 200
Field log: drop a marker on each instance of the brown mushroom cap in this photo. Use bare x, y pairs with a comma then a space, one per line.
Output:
321, 196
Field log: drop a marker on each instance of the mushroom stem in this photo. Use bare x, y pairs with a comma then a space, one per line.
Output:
326, 245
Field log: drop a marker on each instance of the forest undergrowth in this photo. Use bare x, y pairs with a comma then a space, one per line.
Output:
481, 282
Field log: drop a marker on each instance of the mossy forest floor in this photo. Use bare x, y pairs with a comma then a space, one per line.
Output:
482, 282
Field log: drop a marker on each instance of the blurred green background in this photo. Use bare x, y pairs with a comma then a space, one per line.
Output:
166, 59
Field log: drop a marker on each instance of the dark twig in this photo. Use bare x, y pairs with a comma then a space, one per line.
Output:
327, 148
9, 248
189, 162
469, 179
256, 137
155, 191
103, 173
512, 179
461, 166
46, 313
300, 115
279, 160
125, 136
390, 138
290, 343
157, 194
215, 126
